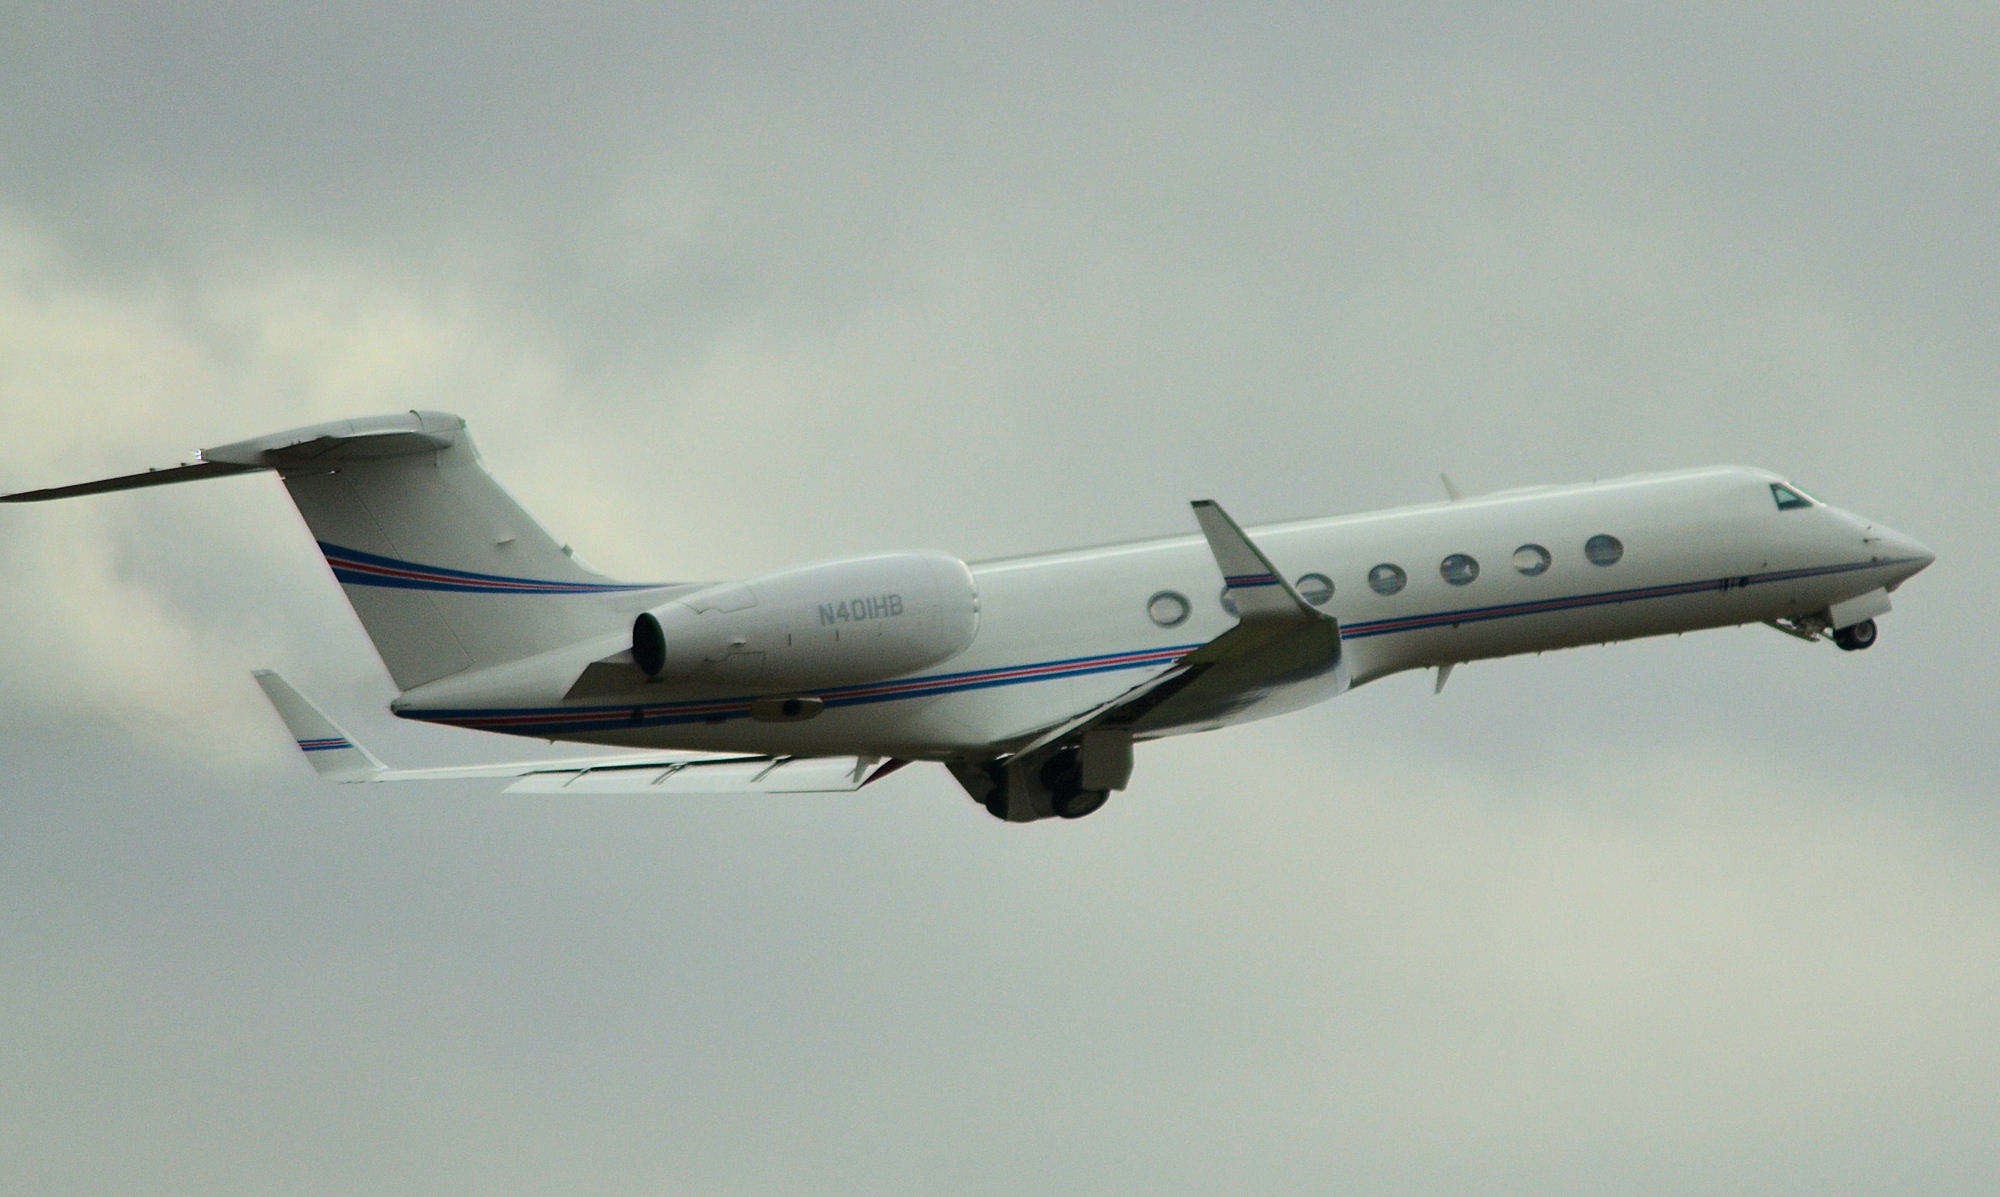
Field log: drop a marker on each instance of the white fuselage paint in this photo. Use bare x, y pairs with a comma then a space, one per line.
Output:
1060, 633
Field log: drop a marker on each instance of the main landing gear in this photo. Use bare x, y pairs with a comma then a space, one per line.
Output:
1062, 777
1857, 637
1043, 786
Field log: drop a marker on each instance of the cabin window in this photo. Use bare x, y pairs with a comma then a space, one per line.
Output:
1459, 569
1603, 549
1532, 560
1315, 588
1787, 498
1168, 608
1386, 578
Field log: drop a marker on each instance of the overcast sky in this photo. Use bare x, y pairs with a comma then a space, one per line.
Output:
741, 287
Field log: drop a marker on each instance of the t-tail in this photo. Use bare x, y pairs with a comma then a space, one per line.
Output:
445, 570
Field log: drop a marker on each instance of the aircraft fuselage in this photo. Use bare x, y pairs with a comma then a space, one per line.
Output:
1412, 588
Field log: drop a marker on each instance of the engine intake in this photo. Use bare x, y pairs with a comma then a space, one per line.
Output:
649, 644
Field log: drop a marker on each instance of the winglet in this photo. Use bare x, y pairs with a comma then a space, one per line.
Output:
1259, 590
331, 751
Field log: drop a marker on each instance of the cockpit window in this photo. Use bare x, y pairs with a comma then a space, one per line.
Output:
1789, 498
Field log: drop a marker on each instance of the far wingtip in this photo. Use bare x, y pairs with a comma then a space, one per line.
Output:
328, 748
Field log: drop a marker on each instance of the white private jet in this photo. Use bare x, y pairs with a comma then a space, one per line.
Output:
1028, 678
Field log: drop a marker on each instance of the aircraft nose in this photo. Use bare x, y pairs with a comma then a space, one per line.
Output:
1913, 553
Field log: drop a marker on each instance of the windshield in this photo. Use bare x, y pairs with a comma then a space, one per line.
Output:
1789, 497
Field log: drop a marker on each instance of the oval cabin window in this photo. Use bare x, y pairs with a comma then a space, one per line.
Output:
1168, 609
1532, 560
1459, 569
1386, 578
1603, 549
1316, 589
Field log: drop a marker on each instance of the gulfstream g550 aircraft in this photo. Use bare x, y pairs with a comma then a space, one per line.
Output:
1029, 678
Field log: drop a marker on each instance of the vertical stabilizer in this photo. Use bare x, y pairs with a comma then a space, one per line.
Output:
445, 570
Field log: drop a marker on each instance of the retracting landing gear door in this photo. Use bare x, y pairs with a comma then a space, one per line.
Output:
1857, 610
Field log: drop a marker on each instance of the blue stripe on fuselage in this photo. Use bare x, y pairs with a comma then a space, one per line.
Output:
549, 721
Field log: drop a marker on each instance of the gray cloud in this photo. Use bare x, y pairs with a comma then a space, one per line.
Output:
724, 293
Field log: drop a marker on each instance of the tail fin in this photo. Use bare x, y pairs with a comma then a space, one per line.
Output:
443, 567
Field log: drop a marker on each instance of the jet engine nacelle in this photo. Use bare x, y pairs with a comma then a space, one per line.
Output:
833, 624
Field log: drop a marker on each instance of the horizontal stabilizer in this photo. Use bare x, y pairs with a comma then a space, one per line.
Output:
315, 447
182, 473
345, 442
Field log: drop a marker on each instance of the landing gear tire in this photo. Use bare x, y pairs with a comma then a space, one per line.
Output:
1856, 638
1063, 777
1075, 804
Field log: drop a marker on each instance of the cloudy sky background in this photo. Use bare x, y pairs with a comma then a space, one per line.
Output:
726, 291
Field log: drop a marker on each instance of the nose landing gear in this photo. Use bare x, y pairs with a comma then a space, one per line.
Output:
1852, 638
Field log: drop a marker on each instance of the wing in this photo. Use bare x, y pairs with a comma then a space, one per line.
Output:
1282, 654
334, 754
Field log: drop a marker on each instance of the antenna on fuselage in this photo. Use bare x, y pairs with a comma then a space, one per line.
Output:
1451, 488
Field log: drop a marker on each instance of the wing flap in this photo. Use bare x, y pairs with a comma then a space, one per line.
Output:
1250, 670
744, 775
